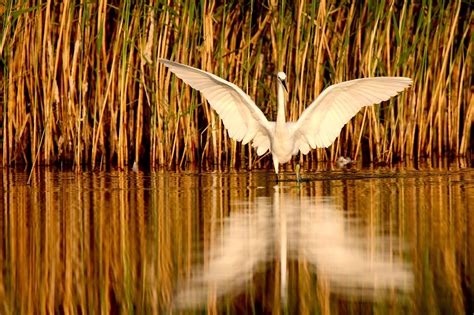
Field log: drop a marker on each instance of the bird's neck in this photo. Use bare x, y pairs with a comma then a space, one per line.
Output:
281, 105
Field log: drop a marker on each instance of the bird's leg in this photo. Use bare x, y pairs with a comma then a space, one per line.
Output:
276, 166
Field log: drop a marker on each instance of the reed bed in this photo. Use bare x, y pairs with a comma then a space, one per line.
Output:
80, 81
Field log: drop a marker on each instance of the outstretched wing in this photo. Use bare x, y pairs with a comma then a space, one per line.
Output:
320, 123
243, 120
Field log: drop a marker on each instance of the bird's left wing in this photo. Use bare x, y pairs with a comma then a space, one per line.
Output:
242, 118
322, 121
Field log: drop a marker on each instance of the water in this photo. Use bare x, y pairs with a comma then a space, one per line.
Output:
383, 240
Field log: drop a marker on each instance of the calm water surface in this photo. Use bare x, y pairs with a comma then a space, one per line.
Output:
380, 240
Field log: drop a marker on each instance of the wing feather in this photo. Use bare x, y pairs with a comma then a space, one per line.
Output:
321, 123
243, 120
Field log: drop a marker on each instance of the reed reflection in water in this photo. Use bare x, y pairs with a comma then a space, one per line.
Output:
119, 242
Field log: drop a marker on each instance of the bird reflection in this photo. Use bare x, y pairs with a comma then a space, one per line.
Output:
289, 227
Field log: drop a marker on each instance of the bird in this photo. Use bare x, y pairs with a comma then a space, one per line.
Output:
344, 162
318, 125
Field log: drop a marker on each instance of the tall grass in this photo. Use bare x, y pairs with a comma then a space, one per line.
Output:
80, 82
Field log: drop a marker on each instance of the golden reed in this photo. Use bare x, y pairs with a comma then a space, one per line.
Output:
80, 82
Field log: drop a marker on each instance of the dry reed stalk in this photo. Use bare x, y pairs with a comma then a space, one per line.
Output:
81, 83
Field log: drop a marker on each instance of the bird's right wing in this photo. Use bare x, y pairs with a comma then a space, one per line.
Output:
322, 121
242, 118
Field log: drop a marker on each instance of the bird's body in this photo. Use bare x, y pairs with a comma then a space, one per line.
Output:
281, 145
318, 126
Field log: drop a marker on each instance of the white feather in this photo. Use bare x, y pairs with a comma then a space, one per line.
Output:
241, 117
318, 126
320, 123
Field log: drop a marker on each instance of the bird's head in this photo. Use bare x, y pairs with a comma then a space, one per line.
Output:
282, 79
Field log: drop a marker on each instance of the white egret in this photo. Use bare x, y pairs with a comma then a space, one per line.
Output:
317, 127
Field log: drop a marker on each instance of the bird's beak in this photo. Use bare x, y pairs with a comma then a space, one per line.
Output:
284, 85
